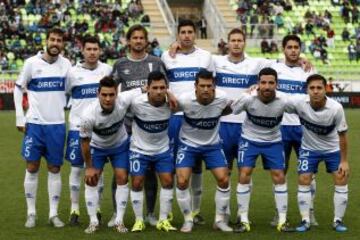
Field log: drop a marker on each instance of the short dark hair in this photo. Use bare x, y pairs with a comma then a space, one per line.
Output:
186, 22
90, 39
136, 27
289, 38
55, 30
156, 76
315, 77
236, 31
204, 74
107, 81
268, 71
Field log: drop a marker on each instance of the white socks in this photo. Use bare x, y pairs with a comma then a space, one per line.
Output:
196, 192
281, 201
92, 199
121, 196
222, 202
74, 183
30, 187
304, 201
340, 201
137, 200
184, 201
166, 198
243, 192
54, 190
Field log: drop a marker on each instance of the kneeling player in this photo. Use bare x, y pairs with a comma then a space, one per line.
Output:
103, 137
150, 146
324, 138
261, 136
199, 139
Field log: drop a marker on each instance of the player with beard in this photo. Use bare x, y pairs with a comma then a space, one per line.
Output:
132, 72
44, 78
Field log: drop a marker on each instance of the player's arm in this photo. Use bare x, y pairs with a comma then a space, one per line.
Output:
172, 101
227, 110
91, 176
341, 127
20, 85
344, 168
239, 105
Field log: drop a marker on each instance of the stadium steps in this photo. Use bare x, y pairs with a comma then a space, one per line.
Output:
206, 44
157, 22
228, 13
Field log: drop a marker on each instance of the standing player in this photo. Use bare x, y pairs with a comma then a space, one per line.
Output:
181, 72
103, 137
43, 75
199, 140
150, 145
292, 80
261, 136
132, 72
324, 138
83, 82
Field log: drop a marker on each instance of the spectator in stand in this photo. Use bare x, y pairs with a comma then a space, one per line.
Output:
328, 16
345, 35
358, 50
155, 48
329, 86
330, 34
351, 51
279, 21
309, 28
274, 47
298, 29
222, 47
203, 28
345, 12
254, 20
265, 48
243, 21
287, 5
354, 14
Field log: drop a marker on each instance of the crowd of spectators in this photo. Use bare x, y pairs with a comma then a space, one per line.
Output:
23, 26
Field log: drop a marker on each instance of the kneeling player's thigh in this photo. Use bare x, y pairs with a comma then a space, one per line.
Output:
273, 156
98, 157
308, 161
33, 145
164, 163
54, 143
138, 163
215, 159
73, 149
332, 161
185, 157
247, 154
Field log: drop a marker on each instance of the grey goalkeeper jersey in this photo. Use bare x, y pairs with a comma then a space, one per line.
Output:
131, 73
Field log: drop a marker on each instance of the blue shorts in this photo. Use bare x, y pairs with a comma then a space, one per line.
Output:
173, 132
44, 140
272, 154
308, 161
73, 149
230, 136
118, 156
213, 156
139, 163
291, 137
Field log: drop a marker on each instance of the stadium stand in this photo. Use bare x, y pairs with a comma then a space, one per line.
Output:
320, 24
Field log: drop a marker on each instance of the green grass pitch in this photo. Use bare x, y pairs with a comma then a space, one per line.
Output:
13, 207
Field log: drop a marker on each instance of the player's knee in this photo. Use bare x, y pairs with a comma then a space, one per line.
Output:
53, 169
182, 183
223, 182
304, 179
167, 182
244, 176
278, 177
137, 184
33, 167
121, 179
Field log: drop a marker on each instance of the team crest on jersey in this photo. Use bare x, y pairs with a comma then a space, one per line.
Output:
126, 71
74, 143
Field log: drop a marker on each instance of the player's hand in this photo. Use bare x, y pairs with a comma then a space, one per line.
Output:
173, 104
306, 64
174, 48
252, 89
344, 169
91, 176
21, 129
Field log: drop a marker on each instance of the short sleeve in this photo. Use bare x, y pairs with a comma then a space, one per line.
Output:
340, 121
240, 104
24, 76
